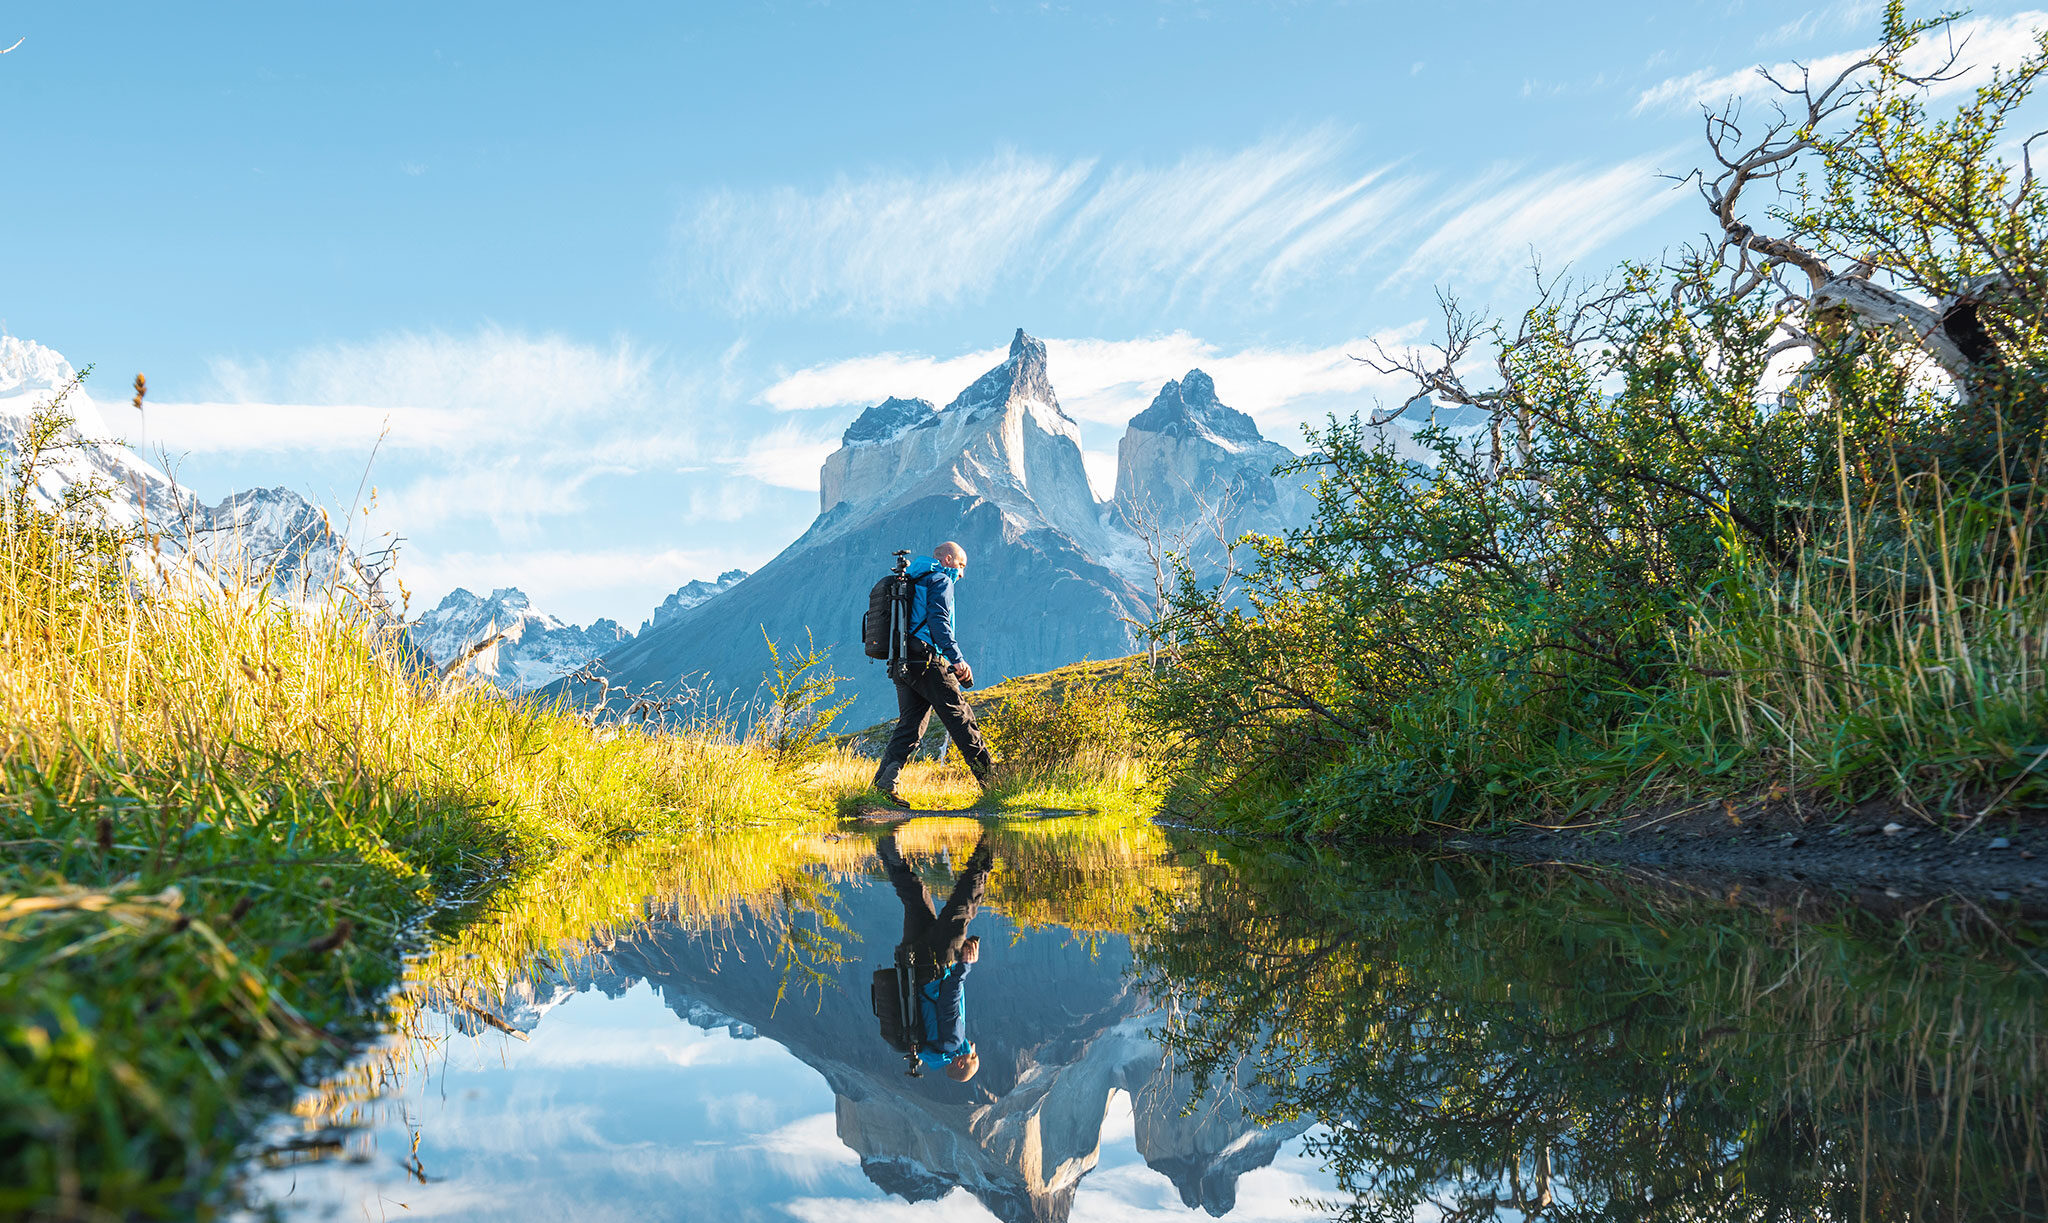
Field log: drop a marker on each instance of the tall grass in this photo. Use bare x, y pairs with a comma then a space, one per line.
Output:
222, 816
1074, 746
1908, 659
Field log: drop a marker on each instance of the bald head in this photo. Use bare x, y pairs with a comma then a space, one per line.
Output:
950, 553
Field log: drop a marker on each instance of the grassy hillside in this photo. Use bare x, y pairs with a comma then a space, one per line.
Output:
224, 818
1064, 739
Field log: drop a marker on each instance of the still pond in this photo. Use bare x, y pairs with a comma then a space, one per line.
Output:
1165, 1026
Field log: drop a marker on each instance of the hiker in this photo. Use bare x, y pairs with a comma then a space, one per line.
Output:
932, 674
941, 954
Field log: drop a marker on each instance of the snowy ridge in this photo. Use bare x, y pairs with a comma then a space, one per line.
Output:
534, 648
889, 420
272, 536
689, 595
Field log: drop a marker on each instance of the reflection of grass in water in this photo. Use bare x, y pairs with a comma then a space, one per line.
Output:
1092, 874
1480, 1035
531, 929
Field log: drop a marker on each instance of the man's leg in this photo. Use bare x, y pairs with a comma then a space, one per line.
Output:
969, 886
912, 712
917, 902
941, 693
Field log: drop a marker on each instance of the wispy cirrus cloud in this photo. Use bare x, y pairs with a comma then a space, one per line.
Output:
880, 243
1497, 224
1253, 223
1979, 45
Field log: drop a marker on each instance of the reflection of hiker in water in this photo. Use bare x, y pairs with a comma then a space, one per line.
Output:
942, 953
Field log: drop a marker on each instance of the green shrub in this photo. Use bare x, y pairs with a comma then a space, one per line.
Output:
1714, 529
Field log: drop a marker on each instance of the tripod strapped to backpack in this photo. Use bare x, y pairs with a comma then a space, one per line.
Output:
894, 995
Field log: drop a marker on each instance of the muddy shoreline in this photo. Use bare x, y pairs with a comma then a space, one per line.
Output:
1881, 854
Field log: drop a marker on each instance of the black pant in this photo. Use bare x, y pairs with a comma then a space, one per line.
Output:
929, 687
934, 938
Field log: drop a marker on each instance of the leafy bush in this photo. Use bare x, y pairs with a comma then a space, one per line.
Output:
1763, 484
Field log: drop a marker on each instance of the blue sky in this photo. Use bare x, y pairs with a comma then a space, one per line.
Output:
612, 279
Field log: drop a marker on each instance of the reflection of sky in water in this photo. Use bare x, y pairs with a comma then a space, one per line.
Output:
616, 1109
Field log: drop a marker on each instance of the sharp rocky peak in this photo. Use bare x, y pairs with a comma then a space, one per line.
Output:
889, 420
1021, 376
1191, 403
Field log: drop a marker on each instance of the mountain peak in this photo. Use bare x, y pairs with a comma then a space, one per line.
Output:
1190, 406
1023, 376
27, 366
889, 420
1198, 387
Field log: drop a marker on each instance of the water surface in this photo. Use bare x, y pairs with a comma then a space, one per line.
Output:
1169, 1027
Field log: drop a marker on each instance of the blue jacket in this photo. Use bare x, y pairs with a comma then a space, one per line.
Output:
945, 1014
931, 608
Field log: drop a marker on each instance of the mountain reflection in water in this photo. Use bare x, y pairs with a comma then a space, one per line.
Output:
1176, 1027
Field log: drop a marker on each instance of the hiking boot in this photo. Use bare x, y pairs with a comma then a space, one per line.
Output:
897, 799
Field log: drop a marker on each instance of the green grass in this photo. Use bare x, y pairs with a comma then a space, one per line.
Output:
223, 820
1063, 740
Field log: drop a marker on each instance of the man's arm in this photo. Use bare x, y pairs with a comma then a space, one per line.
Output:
939, 617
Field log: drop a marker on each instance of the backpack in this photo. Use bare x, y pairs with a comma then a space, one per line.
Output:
885, 628
888, 608
893, 994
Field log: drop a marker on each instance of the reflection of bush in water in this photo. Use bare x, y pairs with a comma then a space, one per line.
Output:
1480, 1039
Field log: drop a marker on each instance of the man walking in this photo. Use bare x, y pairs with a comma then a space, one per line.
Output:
941, 954
932, 672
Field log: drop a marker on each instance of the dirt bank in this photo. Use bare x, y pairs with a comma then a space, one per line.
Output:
1879, 849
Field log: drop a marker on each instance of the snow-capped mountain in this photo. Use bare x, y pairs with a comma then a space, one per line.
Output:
1190, 465
533, 649
264, 537
1056, 576
689, 595
34, 377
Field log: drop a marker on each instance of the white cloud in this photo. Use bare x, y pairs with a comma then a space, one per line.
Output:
213, 428
510, 496
787, 457
884, 243
1099, 381
1839, 15
1981, 44
1253, 223
1214, 220
1559, 216
427, 391
851, 381
1101, 468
